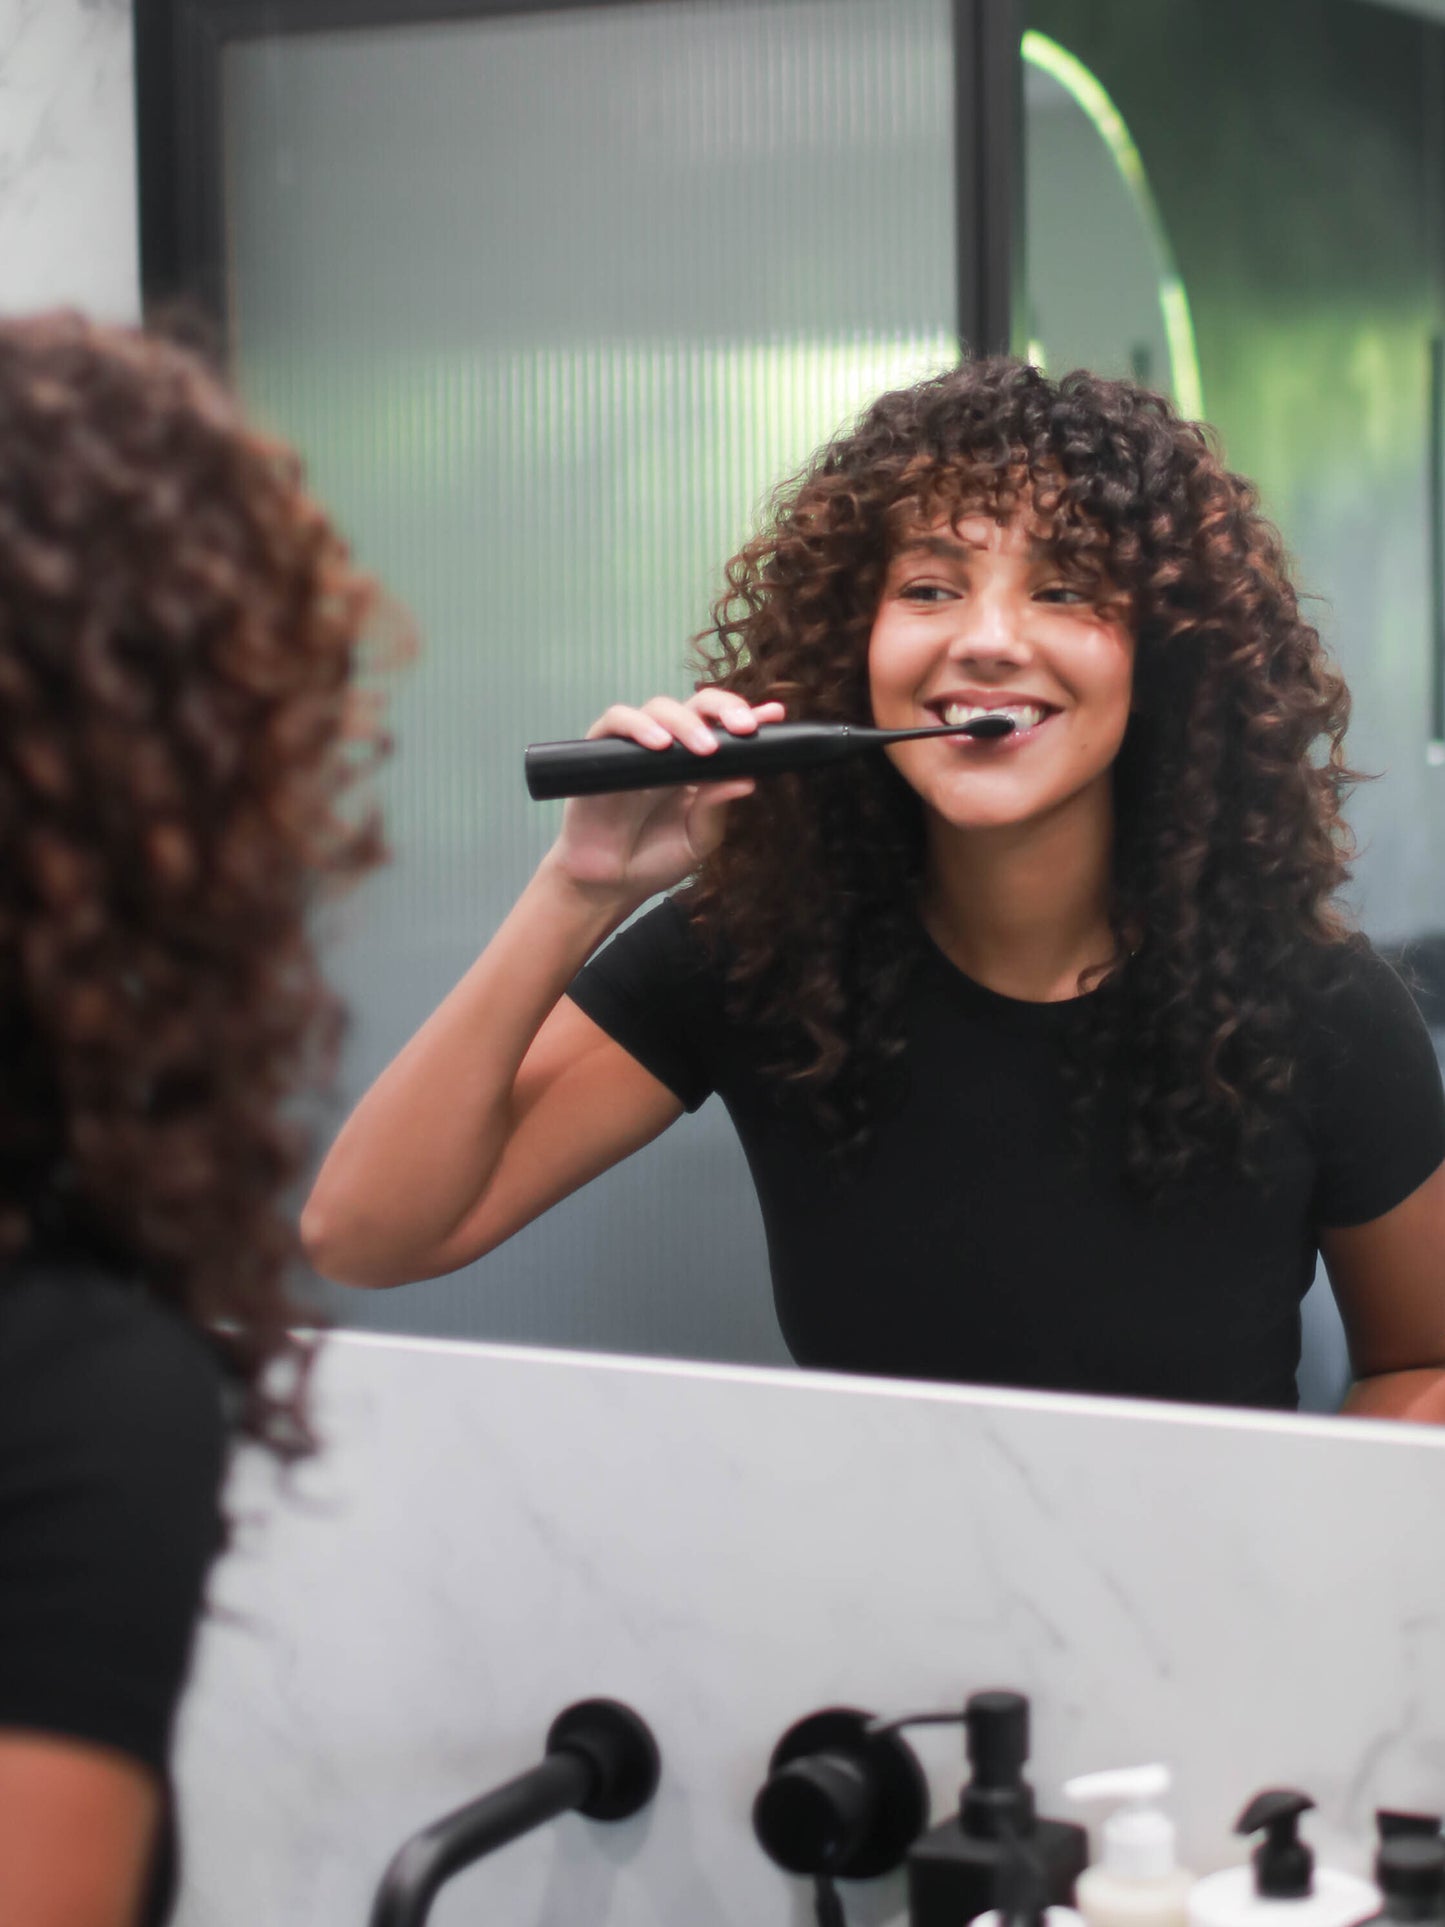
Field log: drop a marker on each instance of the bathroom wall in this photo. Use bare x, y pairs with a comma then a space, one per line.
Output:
494, 1533
67, 157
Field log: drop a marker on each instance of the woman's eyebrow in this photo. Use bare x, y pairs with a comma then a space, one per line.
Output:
948, 547
953, 548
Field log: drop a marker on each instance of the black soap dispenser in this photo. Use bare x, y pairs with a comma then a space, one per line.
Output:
953, 1871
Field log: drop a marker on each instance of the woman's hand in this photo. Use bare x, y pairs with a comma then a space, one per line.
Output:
643, 841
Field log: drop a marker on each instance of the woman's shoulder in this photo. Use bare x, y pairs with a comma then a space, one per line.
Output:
663, 950
670, 931
659, 990
1371, 1085
82, 1344
112, 1452
1353, 994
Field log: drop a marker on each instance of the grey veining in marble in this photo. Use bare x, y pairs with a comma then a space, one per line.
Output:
492, 1534
68, 223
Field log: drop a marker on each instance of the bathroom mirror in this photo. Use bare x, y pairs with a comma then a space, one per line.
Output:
1102, 288
550, 298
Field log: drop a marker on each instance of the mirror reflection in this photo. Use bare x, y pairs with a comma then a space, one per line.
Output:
583, 410
1104, 291
1052, 1058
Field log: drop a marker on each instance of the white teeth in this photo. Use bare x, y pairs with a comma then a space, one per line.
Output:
1023, 715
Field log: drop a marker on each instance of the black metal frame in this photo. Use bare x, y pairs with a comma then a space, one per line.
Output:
1432, 75
179, 46
1435, 544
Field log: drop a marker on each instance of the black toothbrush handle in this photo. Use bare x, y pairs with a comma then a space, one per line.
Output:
610, 763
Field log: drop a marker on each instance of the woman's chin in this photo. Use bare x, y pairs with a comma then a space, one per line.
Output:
965, 813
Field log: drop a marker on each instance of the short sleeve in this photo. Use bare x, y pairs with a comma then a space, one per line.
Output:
112, 1445
654, 991
1376, 1101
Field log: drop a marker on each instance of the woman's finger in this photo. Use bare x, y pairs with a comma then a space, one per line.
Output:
684, 723
664, 720
623, 720
734, 712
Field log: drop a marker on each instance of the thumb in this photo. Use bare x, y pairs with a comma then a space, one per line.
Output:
707, 812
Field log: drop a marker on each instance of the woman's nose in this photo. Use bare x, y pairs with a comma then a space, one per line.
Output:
991, 628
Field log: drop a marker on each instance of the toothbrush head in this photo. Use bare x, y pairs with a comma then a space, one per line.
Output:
996, 723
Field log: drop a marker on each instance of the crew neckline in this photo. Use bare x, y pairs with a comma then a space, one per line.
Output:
1022, 1010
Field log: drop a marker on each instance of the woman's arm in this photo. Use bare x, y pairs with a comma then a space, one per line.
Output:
77, 1830
1388, 1278
507, 1098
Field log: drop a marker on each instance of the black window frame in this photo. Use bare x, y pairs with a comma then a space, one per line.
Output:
180, 46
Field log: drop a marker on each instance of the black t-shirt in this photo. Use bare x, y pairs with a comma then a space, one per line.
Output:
112, 1444
975, 1244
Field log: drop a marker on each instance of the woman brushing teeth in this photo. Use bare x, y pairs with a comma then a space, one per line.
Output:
1054, 1058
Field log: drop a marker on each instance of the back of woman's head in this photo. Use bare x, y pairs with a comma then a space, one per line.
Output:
179, 626
1230, 842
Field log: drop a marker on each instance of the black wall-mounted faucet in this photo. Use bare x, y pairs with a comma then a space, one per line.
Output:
601, 1761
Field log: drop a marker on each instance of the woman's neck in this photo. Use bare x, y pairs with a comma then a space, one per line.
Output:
1024, 909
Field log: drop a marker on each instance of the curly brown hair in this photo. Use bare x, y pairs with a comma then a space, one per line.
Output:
179, 626
1230, 844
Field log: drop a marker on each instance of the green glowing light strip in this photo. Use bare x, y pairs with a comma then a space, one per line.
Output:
1074, 76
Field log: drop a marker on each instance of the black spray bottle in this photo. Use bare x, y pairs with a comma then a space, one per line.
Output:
953, 1871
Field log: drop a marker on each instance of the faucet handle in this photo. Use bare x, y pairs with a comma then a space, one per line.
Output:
839, 1799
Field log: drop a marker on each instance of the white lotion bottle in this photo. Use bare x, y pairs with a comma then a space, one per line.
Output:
1281, 1887
1136, 1881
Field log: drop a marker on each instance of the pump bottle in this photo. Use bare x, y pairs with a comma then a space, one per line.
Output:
1410, 1872
1281, 1887
1021, 1892
953, 1869
1136, 1880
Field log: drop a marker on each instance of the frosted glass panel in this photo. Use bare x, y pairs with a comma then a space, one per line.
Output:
550, 303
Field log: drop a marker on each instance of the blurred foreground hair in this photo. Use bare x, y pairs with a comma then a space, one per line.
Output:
179, 630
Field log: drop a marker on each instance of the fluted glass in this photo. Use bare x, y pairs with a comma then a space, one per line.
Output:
550, 302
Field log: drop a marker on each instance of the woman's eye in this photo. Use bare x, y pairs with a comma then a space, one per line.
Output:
1060, 593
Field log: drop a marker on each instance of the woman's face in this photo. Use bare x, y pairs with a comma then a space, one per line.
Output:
978, 616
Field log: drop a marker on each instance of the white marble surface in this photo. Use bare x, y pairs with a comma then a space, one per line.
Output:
492, 1534
68, 221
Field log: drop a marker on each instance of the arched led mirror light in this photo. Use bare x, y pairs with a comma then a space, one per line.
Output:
1103, 289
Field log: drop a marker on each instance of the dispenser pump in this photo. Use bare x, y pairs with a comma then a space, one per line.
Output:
953, 1870
1282, 1880
1284, 1867
997, 1801
1138, 1840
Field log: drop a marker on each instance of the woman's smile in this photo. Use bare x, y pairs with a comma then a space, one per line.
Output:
1027, 714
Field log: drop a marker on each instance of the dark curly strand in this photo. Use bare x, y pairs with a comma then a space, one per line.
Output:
179, 625
1230, 841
